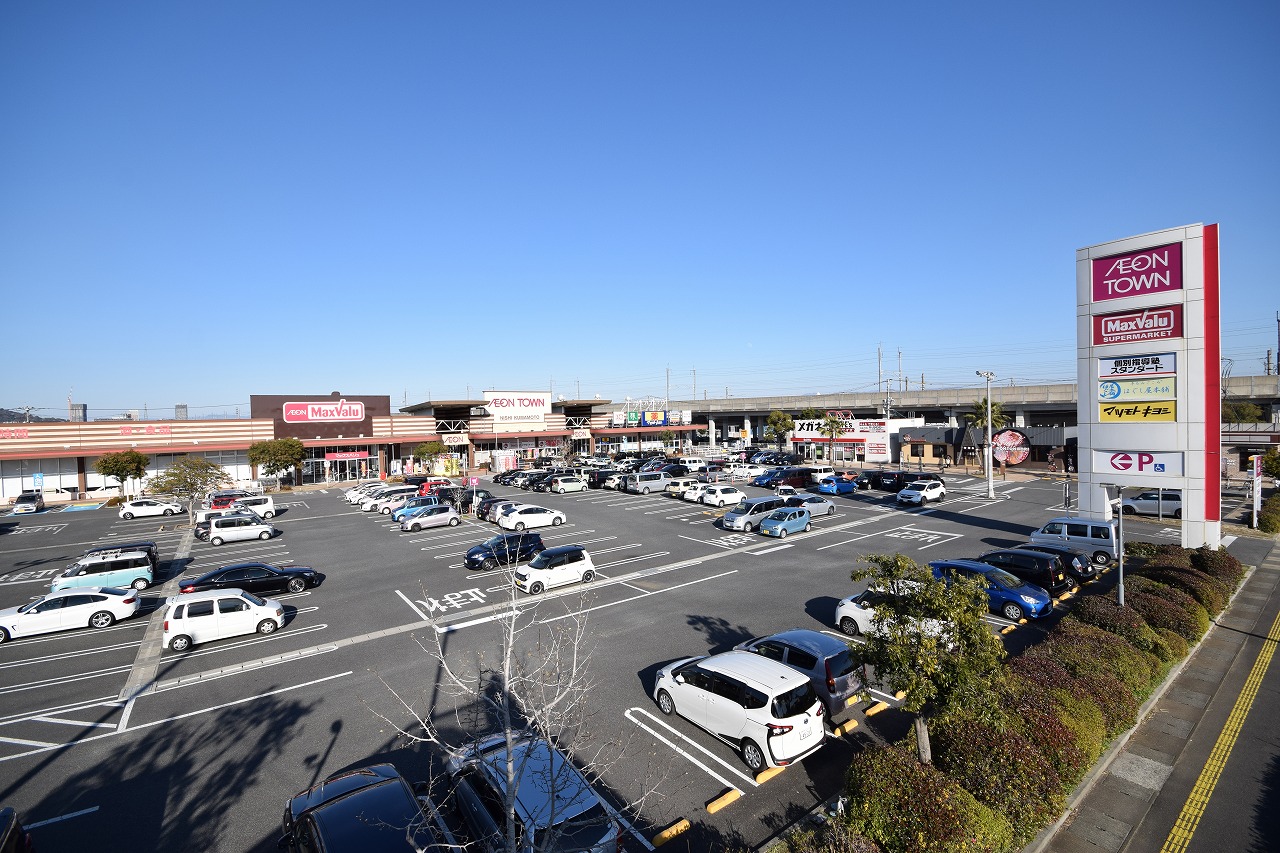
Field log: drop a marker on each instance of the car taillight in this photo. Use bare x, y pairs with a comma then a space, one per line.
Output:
831, 679
166, 626
187, 589
775, 729
130, 598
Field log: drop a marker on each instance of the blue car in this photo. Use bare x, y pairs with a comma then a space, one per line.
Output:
413, 506
837, 486
789, 519
1009, 596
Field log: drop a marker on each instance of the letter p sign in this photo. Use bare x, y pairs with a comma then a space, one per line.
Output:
1145, 459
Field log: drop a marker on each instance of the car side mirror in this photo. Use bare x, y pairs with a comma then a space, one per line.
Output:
679, 678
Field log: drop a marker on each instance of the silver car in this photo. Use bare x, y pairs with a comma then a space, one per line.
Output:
440, 515
1162, 502
816, 504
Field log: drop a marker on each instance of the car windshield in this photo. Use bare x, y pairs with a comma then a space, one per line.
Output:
493, 541
581, 832
779, 515
539, 561
741, 506
1002, 578
841, 664
794, 702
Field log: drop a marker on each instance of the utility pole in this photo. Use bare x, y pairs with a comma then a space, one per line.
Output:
991, 488
668, 397
880, 373
695, 383
902, 382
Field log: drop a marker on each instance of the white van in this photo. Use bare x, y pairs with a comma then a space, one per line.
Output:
1094, 537
260, 505
819, 472
235, 528
198, 617
646, 482
693, 463
679, 485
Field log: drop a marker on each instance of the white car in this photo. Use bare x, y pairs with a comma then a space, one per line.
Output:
695, 493
856, 614
722, 495
528, 515
613, 481
191, 618
361, 489
76, 607
385, 499
920, 493
439, 515
568, 483
1167, 502
765, 709
149, 506
555, 567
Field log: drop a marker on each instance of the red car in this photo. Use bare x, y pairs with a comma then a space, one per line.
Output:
222, 502
431, 485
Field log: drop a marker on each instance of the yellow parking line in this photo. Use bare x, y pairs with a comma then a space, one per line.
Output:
1184, 828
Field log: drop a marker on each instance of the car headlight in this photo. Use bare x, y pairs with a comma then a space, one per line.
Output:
1028, 599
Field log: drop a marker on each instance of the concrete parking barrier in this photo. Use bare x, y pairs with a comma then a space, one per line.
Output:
671, 832
875, 709
723, 800
766, 774
845, 727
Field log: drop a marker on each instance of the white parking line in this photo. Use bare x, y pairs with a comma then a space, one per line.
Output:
81, 723
770, 550
632, 713
39, 824
65, 679
412, 606
68, 655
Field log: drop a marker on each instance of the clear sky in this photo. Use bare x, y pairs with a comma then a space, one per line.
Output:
202, 201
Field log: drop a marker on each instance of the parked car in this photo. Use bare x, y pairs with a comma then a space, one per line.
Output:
257, 578
239, 527
1044, 570
67, 609
1078, 563
107, 568
495, 510
554, 567
1008, 595
856, 614
380, 501
14, 837
816, 504
440, 515
596, 478
412, 505
556, 809
149, 506
28, 502
366, 810
503, 550
613, 481
528, 516
767, 711
482, 508
868, 479
146, 546
679, 485
747, 514
567, 483
723, 496
921, 492
797, 478
1097, 538
192, 618
695, 492
837, 486
429, 485
822, 657
1162, 502
786, 520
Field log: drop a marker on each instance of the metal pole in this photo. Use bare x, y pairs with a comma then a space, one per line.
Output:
991, 488
1120, 545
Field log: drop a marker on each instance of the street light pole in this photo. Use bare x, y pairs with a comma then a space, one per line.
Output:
991, 486
1119, 504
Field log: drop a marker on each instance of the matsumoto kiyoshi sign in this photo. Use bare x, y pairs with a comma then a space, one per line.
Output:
323, 412
1137, 462
1146, 324
1139, 273
1126, 390
1156, 364
1138, 413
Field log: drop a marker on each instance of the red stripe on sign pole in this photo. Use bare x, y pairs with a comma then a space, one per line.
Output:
1212, 380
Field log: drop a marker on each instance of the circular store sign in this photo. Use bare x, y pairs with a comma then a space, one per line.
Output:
1010, 446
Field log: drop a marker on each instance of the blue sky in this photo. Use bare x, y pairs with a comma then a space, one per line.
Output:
199, 202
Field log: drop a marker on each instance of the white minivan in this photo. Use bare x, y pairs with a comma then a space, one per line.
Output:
819, 472
260, 505
199, 617
1094, 537
236, 528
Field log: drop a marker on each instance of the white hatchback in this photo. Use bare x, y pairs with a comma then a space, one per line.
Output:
555, 567
528, 515
722, 495
695, 492
78, 607
922, 492
192, 618
149, 506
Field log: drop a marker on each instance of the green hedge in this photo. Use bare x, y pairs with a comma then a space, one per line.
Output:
1210, 592
1218, 563
1085, 648
836, 836
1105, 612
909, 807
1171, 609
1115, 700
1178, 646
1136, 548
1002, 768
1041, 719
1171, 556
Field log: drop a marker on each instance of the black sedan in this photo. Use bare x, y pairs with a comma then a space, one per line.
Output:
254, 577
504, 549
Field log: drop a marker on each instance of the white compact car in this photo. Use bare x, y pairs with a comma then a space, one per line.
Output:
856, 614
921, 493
765, 709
528, 516
149, 506
192, 618
555, 567
722, 495
695, 492
78, 607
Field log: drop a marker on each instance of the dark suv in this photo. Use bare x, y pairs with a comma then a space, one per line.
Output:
504, 549
1076, 562
1044, 570
596, 478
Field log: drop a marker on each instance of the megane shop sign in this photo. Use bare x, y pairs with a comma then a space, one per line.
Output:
1146, 271
323, 412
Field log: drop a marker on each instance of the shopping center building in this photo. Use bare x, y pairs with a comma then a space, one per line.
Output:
356, 436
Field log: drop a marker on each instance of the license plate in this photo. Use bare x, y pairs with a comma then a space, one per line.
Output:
804, 733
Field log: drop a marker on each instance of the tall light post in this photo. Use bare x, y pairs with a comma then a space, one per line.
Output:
1118, 503
991, 486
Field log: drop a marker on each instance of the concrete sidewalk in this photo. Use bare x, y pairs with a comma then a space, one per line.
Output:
1113, 809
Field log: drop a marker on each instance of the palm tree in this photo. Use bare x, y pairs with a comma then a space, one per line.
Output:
831, 429
977, 419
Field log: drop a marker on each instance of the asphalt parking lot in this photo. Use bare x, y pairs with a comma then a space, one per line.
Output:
205, 756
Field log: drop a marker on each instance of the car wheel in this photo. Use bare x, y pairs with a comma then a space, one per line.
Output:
180, 643
519, 525
1011, 611
831, 510
454, 522
782, 533
587, 576
720, 504
1102, 558
217, 540
1128, 510
267, 626
560, 491
126, 516
535, 588
1177, 513
665, 703
168, 512
4, 636
101, 619
489, 564
749, 528
264, 535
808, 526
557, 521
752, 756
849, 625
297, 585
646, 491
268, 514
140, 584
386, 510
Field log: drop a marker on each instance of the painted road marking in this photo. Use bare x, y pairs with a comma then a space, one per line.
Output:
1184, 828
632, 714
39, 824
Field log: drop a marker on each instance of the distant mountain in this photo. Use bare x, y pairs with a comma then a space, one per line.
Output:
9, 416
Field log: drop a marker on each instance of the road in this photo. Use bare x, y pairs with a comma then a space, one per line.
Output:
205, 758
